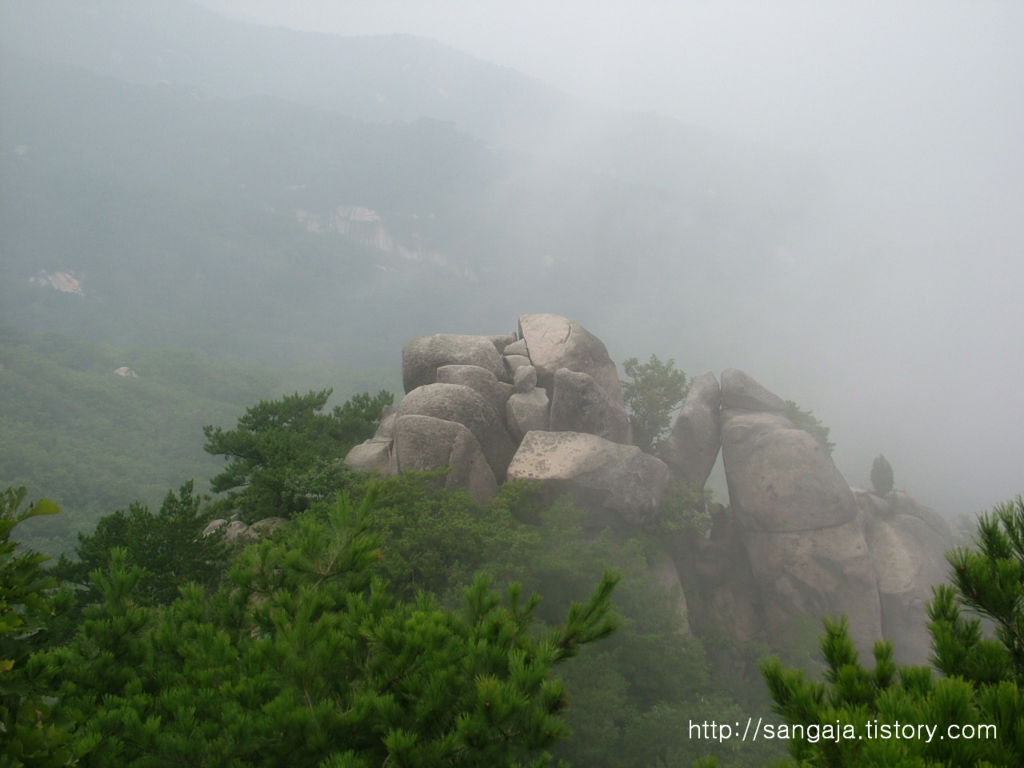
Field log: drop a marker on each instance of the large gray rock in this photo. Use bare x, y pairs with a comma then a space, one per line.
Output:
579, 404
371, 455
741, 391
480, 379
525, 379
781, 479
526, 411
556, 342
799, 523
824, 572
664, 573
694, 443
463, 405
599, 472
422, 356
909, 559
904, 504
424, 443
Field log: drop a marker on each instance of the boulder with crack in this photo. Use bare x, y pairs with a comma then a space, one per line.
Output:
554, 342
601, 474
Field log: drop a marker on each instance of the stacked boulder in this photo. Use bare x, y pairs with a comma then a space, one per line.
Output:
545, 404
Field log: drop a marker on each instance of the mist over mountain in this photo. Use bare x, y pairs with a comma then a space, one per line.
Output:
173, 177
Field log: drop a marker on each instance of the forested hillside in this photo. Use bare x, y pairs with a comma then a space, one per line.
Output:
98, 441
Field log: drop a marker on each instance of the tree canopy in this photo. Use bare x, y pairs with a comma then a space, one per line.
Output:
652, 391
302, 659
285, 452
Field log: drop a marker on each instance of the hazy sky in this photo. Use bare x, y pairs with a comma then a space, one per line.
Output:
900, 316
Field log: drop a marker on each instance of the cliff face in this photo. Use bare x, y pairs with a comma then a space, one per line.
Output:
796, 543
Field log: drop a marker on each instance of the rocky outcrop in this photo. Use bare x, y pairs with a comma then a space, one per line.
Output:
485, 383
425, 443
580, 405
596, 471
465, 406
554, 342
908, 558
797, 516
237, 532
797, 544
780, 479
422, 356
695, 440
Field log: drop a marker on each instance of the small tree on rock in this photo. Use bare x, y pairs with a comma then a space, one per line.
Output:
881, 475
652, 392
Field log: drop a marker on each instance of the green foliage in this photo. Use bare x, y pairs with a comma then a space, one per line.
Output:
982, 676
881, 475
684, 509
301, 661
652, 392
169, 546
989, 580
30, 734
285, 453
809, 423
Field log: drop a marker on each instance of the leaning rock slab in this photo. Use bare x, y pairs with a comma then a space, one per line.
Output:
579, 404
556, 342
694, 443
741, 391
780, 479
465, 406
423, 444
599, 472
422, 356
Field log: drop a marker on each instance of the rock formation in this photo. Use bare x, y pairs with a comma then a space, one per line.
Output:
581, 405
545, 405
597, 471
695, 440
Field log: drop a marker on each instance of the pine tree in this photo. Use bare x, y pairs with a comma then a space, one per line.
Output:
30, 734
881, 475
652, 391
283, 453
981, 687
301, 659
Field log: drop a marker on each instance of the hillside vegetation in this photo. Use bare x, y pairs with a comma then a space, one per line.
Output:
98, 441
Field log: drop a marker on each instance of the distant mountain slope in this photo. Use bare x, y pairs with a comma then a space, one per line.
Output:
398, 77
96, 428
258, 227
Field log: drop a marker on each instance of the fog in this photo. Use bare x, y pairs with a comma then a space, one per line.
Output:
896, 312
885, 296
